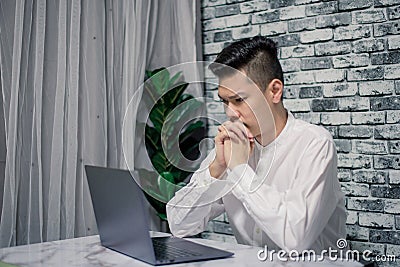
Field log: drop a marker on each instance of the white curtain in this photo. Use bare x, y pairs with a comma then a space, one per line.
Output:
68, 71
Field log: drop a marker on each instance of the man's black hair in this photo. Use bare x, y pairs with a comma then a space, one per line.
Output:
257, 56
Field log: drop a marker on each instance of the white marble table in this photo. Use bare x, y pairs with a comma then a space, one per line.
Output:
87, 251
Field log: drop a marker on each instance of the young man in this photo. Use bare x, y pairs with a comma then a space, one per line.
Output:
275, 176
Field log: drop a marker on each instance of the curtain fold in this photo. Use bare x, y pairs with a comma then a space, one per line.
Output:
68, 72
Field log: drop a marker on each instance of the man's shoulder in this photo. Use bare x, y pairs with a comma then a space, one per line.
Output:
312, 131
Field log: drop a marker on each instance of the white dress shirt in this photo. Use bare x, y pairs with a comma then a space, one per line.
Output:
287, 197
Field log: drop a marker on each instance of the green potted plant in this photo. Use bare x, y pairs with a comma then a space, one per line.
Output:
166, 99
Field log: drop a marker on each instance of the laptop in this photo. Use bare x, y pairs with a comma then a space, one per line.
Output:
123, 222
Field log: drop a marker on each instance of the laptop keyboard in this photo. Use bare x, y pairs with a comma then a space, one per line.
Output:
164, 251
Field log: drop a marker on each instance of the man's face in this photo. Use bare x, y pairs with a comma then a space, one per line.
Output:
245, 101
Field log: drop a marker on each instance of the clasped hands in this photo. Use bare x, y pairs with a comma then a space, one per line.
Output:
233, 145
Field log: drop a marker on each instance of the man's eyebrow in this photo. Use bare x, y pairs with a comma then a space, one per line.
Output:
239, 94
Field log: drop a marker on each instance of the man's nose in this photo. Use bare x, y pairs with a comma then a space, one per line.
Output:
231, 113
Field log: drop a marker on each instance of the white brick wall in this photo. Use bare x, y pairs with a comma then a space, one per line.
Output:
342, 69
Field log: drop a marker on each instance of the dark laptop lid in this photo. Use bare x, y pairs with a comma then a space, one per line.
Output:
118, 203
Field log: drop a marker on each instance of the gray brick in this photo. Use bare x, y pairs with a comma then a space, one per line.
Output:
373, 45
253, 6
291, 92
392, 72
323, 76
222, 228
245, 32
380, 3
322, 8
354, 4
290, 64
370, 147
208, 13
335, 118
393, 116
212, 48
353, 104
390, 131
344, 175
387, 162
297, 51
206, 3
397, 85
354, 161
222, 36
365, 204
336, 48
383, 236
333, 130
302, 2
290, 39
376, 249
392, 205
265, 17
318, 105
370, 16
316, 36
355, 232
310, 92
214, 24
355, 190
316, 63
234, 1
227, 10
372, 177
301, 24
274, 28
394, 177
208, 37
385, 103
346, 61
296, 105
376, 88
368, 118
215, 107
394, 147
237, 20
365, 74
376, 220
387, 28
352, 218
392, 57
294, 12
343, 146
394, 41
281, 3
355, 131
393, 250
352, 32
313, 118
393, 12
341, 89
333, 21
299, 78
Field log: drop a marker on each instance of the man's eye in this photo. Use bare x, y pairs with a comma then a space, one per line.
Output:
238, 100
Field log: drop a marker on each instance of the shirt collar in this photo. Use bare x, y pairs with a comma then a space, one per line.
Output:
281, 136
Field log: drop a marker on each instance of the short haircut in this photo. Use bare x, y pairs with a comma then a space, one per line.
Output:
257, 56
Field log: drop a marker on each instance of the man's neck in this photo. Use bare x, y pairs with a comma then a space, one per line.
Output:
280, 119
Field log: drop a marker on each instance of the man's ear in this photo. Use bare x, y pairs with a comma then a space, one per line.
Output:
275, 90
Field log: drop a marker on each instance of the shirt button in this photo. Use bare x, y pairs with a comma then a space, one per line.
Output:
257, 230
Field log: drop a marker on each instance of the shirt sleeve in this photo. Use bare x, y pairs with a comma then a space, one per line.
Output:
191, 208
293, 219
